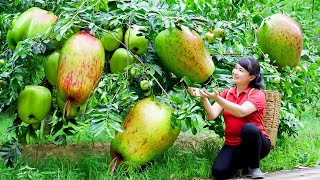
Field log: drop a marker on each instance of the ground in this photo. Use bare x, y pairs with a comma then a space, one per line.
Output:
35, 151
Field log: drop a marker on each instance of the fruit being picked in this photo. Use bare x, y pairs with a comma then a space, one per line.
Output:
80, 66
281, 37
184, 53
147, 133
111, 41
120, 59
136, 42
51, 67
34, 104
32, 22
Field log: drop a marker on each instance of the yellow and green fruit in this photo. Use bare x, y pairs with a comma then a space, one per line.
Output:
184, 53
147, 133
81, 63
281, 37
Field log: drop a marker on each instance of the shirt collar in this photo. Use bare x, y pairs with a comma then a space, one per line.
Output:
234, 90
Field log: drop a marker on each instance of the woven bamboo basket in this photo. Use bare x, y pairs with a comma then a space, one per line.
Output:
271, 114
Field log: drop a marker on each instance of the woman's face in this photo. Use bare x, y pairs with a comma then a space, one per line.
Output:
240, 76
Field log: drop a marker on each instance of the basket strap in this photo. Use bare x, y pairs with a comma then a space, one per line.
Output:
251, 90
259, 115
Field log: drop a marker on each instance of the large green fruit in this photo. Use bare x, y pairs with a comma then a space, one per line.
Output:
120, 59
51, 67
136, 43
183, 52
111, 41
30, 23
281, 37
148, 133
80, 66
34, 104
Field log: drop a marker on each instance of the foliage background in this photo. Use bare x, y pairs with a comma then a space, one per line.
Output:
116, 93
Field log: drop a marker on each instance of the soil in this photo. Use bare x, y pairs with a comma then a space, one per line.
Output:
39, 151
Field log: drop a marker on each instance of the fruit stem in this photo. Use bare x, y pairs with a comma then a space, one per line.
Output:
151, 75
67, 108
113, 163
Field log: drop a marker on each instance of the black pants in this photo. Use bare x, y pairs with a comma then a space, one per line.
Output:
254, 146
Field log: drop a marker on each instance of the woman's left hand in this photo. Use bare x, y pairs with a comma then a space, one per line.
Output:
214, 95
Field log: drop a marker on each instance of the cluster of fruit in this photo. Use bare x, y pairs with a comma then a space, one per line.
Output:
74, 69
213, 34
77, 63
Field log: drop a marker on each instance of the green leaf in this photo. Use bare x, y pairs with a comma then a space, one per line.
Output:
117, 126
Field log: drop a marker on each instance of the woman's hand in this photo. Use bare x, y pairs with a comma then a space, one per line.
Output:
214, 95
195, 92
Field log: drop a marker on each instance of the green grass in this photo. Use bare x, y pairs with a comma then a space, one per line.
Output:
291, 152
176, 163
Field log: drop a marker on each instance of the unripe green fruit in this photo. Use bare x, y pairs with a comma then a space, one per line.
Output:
209, 37
51, 67
276, 80
34, 104
134, 73
111, 41
219, 33
136, 43
144, 84
120, 59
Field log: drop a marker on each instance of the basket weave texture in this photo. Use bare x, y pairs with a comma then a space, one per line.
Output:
271, 114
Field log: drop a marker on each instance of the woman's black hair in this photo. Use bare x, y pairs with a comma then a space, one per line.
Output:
253, 67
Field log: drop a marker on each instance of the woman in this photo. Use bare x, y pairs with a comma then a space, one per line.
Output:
246, 141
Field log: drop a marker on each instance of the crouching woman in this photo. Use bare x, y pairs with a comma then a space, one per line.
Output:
246, 141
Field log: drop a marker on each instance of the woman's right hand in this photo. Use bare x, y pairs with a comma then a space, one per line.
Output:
195, 91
